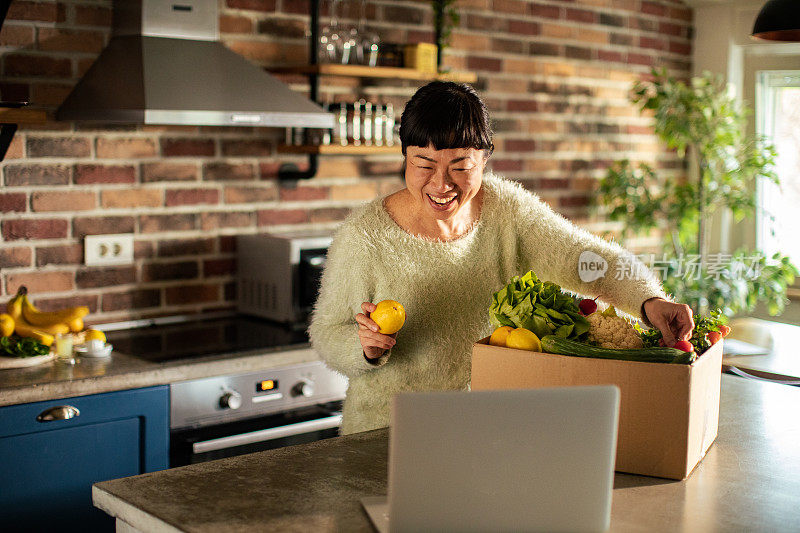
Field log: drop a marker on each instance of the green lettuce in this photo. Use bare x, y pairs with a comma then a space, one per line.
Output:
540, 306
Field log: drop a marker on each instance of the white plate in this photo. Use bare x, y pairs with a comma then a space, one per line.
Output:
21, 362
83, 351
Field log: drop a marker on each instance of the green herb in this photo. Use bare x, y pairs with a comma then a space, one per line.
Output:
540, 306
702, 327
15, 346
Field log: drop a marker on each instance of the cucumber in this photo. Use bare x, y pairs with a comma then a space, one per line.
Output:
554, 344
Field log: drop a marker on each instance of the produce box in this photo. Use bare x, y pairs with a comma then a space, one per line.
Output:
669, 413
421, 56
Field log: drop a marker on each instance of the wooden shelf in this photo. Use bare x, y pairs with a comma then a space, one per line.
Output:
361, 71
12, 115
337, 149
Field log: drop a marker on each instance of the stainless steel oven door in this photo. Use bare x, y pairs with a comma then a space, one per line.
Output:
308, 424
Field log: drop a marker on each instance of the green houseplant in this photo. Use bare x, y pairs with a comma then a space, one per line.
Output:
445, 18
703, 122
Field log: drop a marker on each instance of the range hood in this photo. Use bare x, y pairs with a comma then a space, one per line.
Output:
164, 64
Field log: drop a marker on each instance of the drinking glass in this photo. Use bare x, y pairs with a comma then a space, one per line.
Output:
330, 39
64, 348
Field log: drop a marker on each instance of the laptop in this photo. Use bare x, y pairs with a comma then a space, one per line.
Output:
511, 460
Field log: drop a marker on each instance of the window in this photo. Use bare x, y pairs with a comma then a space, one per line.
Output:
778, 117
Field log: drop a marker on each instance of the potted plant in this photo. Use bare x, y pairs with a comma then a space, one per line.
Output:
702, 121
445, 18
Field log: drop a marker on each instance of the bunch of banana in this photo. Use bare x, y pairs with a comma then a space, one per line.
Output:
40, 325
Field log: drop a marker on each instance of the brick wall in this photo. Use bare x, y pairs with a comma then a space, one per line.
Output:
555, 75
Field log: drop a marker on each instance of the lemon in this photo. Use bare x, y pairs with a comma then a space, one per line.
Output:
7, 324
499, 335
389, 315
95, 335
523, 339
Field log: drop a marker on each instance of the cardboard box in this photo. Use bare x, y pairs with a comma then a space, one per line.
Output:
669, 413
421, 56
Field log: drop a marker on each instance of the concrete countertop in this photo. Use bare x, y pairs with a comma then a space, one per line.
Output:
748, 481
120, 371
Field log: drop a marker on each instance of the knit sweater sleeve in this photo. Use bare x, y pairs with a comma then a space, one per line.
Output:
346, 283
553, 246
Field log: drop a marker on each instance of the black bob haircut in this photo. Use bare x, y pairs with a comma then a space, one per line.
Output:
446, 115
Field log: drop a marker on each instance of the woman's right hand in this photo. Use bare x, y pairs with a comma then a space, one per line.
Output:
374, 344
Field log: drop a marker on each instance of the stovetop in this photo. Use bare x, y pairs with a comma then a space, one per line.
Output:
221, 336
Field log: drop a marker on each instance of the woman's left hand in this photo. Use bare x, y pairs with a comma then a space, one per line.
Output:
674, 320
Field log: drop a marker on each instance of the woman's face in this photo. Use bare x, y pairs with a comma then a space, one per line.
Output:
443, 182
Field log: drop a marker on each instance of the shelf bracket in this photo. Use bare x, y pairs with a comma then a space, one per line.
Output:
7, 132
289, 171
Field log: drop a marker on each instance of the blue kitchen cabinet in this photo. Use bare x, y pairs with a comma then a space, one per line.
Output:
47, 467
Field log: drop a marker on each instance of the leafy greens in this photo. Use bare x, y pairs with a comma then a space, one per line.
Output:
22, 347
703, 325
540, 306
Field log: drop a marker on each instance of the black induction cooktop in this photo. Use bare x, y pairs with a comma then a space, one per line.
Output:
226, 336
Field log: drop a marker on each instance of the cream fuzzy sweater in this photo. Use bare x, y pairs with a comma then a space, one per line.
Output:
446, 289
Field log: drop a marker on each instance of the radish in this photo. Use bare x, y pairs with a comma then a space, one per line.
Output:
686, 346
587, 306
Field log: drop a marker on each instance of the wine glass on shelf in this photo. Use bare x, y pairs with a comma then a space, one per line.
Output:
366, 47
330, 39
369, 45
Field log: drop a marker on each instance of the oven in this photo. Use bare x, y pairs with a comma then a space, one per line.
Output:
231, 415
251, 410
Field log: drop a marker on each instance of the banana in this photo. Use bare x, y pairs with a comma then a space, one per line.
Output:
44, 319
25, 330
14, 307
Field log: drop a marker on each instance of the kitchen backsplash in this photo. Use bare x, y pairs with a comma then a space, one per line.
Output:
555, 75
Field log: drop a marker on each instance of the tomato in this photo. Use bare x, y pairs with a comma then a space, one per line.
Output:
686, 346
713, 337
724, 330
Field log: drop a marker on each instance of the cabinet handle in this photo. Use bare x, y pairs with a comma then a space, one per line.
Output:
61, 412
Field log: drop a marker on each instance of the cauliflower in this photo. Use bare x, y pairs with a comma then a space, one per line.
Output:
611, 331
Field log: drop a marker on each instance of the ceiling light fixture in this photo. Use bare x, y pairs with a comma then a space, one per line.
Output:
778, 20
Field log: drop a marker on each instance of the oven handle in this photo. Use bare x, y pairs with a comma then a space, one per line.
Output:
264, 435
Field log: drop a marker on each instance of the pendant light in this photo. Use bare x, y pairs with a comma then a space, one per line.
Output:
778, 20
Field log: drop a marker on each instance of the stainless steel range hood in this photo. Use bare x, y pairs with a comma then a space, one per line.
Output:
164, 64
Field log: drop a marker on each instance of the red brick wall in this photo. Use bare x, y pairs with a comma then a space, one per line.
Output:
555, 75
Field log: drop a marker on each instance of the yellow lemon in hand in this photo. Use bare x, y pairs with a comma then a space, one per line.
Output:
499, 336
95, 335
523, 339
389, 315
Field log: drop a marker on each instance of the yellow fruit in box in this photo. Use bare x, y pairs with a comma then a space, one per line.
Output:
523, 339
6, 325
95, 335
499, 336
389, 315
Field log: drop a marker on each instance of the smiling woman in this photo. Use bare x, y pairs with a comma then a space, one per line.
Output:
441, 185
441, 247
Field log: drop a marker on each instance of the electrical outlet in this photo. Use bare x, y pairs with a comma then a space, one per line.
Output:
114, 249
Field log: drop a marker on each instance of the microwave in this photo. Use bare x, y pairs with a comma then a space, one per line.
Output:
278, 274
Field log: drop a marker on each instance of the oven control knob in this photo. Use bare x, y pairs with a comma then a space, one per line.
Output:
303, 388
231, 400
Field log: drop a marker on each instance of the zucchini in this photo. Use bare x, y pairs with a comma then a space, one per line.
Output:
554, 344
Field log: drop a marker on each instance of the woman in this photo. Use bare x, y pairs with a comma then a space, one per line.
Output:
441, 247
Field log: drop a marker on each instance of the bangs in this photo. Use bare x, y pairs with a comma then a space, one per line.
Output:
448, 118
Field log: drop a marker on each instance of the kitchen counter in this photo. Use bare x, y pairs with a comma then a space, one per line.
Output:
121, 371
749, 480
779, 360
164, 351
